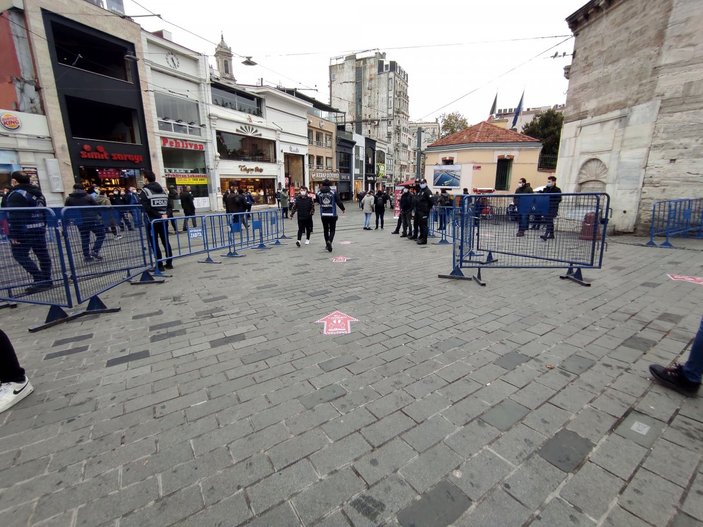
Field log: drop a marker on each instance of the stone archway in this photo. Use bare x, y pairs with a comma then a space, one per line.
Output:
592, 176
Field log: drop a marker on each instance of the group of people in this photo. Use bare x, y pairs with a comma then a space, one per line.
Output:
237, 201
538, 220
304, 206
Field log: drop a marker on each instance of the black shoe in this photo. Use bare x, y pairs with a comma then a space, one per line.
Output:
298, 243
377, 228
96, 256
412, 237
546, 237
329, 246
674, 378
161, 267
394, 232
38, 288
168, 266
403, 235
422, 242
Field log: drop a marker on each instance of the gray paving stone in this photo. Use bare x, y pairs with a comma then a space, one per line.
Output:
572, 398
559, 513
547, 419
684, 520
640, 428
348, 423
693, 505
387, 428
323, 395
661, 405
226, 482
471, 438
505, 414
321, 498
230, 511
281, 485
566, 450
221, 436
619, 456
511, 360
337, 362
464, 411
258, 441
295, 448
340, 453
533, 395
426, 407
384, 499
592, 424
533, 481
390, 403
517, 444
166, 510
577, 364
480, 473
428, 433
383, 461
430, 467
460, 389
498, 504
672, 462
441, 505
651, 497
686, 433
591, 490
613, 402
639, 343
118, 504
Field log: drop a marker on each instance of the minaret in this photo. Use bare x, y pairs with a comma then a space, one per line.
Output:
223, 56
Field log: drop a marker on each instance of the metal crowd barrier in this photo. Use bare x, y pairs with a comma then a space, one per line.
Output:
64, 257
676, 217
530, 231
444, 223
214, 232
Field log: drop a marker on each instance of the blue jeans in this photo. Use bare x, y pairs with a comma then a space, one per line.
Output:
367, 219
693, 369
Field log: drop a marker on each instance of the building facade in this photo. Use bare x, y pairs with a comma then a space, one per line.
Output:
483, 157
429, 133
373, 92
634, 109
87, 63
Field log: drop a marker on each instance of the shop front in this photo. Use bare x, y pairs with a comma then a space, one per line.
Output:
294, 165
109, 165
318, 176
259, 180
184, 166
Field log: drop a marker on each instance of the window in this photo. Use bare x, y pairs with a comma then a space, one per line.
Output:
116, 123
236, 100
311, 160
503, 170
310, 140
328, 163
236, 147
447, 160
226, 67
344, 161
318, 139
328, 140
177, 115
319, 162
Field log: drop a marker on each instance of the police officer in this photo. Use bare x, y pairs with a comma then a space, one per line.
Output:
406, 211
155, 203
423, 207
329, 201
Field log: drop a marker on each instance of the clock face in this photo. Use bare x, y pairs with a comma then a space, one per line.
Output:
172, 60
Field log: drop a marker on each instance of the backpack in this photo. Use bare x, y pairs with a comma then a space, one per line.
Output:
380, 201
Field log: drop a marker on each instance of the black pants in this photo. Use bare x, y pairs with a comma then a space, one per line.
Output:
96, 228
329, 227
284, 212
33, 240
185, 221
548, 220
10, 370
174, 223
304, 225
422, 227
161, 231
406, 221
379, 214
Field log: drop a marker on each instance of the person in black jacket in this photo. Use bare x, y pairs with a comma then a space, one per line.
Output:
553, 210
305, 207
172, 197
406, 212
423, 207
188, 204
379, 205
236, 204
155, 203
329, 201
27, 231
89, 220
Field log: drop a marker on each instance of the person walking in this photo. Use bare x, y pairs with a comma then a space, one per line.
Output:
188, 205
88, 221
413, 229
171, 207
283, 200
379, 206
155, 202
14, 383
27, 231
329, 201
423, 208
367, 206
523, 187
305, 207
553, 211
684, 378
444, 202
101, 199
236, 204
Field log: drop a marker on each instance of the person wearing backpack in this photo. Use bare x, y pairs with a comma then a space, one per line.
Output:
329, 201
27, 231
379, 205
155, 203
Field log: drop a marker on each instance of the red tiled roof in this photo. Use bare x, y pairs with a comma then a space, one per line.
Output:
484, 132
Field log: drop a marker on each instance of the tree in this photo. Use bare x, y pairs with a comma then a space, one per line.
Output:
547, 128
452, 123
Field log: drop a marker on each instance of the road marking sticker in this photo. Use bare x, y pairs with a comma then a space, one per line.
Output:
683, 278
336, 323
339, 259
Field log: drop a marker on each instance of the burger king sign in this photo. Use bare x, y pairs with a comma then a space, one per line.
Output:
10, 121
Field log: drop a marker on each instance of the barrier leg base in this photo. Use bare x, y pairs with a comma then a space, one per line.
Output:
575, 276
284, 237
56, 315
233, 254
147, 279
96, 306
209, 260
456, 274
261, 246
8, 305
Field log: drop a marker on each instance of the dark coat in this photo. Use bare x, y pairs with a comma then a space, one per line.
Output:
554, 199
235, 203
304, 206
188, 203
406, 202
424, 201
80, 198
152, 212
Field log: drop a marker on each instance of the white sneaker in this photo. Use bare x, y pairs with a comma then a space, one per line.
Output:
13, 392
307, 242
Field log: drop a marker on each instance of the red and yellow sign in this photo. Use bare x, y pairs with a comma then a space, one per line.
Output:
10, 121
188, 179
167, 142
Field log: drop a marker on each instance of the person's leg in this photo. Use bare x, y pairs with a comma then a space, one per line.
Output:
378, 214
382, 214
99, 231
41, 251
684, 378
333, 229
308, 229
20, 252
693, 369
153, 244
326, 229
84, 230
10, 369
162, 233
301, 229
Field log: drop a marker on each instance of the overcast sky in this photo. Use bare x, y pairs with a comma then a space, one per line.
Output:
458, 53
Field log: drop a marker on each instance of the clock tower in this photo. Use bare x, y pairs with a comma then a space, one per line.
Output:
223, 56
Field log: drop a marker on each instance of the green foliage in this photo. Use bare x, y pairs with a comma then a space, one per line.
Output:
451, 123
547, 128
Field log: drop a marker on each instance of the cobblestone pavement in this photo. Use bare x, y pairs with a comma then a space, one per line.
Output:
215, 399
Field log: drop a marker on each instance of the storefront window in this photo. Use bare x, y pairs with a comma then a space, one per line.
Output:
116, 123
263, 190
110, 178
236, 100
236, 147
